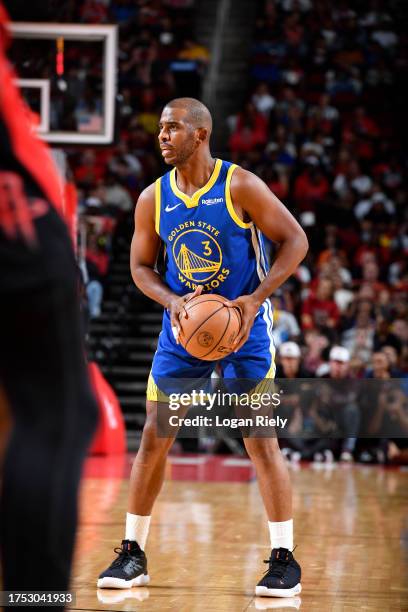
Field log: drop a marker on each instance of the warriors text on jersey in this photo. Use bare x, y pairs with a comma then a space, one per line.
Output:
206, 242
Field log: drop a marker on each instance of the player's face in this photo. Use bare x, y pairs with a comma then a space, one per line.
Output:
176, 136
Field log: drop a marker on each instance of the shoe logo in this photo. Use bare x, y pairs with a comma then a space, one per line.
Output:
133, 567
170, 208
211, 201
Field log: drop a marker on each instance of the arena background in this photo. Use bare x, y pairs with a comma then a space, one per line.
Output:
309, 95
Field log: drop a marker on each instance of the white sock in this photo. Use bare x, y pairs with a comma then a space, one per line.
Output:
137, 528
281, 534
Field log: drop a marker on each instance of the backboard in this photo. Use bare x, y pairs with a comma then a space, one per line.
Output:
67, 74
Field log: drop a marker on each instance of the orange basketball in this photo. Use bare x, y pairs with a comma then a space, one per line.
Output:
210, 327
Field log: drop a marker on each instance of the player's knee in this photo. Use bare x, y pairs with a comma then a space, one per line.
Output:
262, 450
153, 446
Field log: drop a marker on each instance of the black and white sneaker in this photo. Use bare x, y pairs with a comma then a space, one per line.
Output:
129, 569
283, 576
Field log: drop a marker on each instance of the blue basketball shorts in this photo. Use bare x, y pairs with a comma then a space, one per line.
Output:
254, 361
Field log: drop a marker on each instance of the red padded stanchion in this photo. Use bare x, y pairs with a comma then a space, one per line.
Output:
110, 437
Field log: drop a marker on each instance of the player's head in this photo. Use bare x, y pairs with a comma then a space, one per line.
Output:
185, 126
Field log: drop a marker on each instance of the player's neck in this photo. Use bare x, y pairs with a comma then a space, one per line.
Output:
195, 173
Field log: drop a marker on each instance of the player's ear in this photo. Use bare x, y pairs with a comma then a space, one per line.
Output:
201, 134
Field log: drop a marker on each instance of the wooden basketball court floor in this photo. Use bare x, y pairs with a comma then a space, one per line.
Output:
208, 538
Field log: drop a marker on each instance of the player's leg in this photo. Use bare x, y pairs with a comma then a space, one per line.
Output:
274, 483
146, 478
283, 577
255, 362
43, 371
130, 567
170, 365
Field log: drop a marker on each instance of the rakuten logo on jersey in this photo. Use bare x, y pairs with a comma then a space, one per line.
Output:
211, 201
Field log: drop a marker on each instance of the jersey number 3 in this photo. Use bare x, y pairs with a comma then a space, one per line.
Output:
207, 250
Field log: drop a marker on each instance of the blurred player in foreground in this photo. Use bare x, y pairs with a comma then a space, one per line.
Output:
214, 213
42, 366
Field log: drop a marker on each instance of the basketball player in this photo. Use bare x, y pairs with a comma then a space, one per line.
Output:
42, 368
217, 211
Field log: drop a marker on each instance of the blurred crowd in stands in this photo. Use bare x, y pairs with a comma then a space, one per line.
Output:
158, 58
323, 126
338, 415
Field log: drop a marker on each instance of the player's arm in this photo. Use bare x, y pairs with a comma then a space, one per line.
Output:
253, 197
143, 256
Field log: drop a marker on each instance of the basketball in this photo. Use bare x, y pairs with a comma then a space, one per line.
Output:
210, 328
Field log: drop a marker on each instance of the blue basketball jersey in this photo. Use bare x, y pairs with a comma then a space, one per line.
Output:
206, 243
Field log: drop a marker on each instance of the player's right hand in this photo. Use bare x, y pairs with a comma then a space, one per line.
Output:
176, 310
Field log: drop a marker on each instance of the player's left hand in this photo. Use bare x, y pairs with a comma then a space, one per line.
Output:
248, 307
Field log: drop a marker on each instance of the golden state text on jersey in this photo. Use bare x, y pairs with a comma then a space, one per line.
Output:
206, 243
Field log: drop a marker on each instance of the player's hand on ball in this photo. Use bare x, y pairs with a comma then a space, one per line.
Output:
176, 310
248, 307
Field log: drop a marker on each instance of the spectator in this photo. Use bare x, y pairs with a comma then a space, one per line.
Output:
324, 113
97, 262
377, 207
316, 344
353, 178
282, 153
192, 50
342, 296
250, 130
311, 187
89, 171
343, 401
293, 400
262, 99
370, 277
285, 325
94, 11
289, 365
380, 366
359, 340
389, 418
383, 335
277, 182
393, 359
320, 310
125, 164
115, 195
